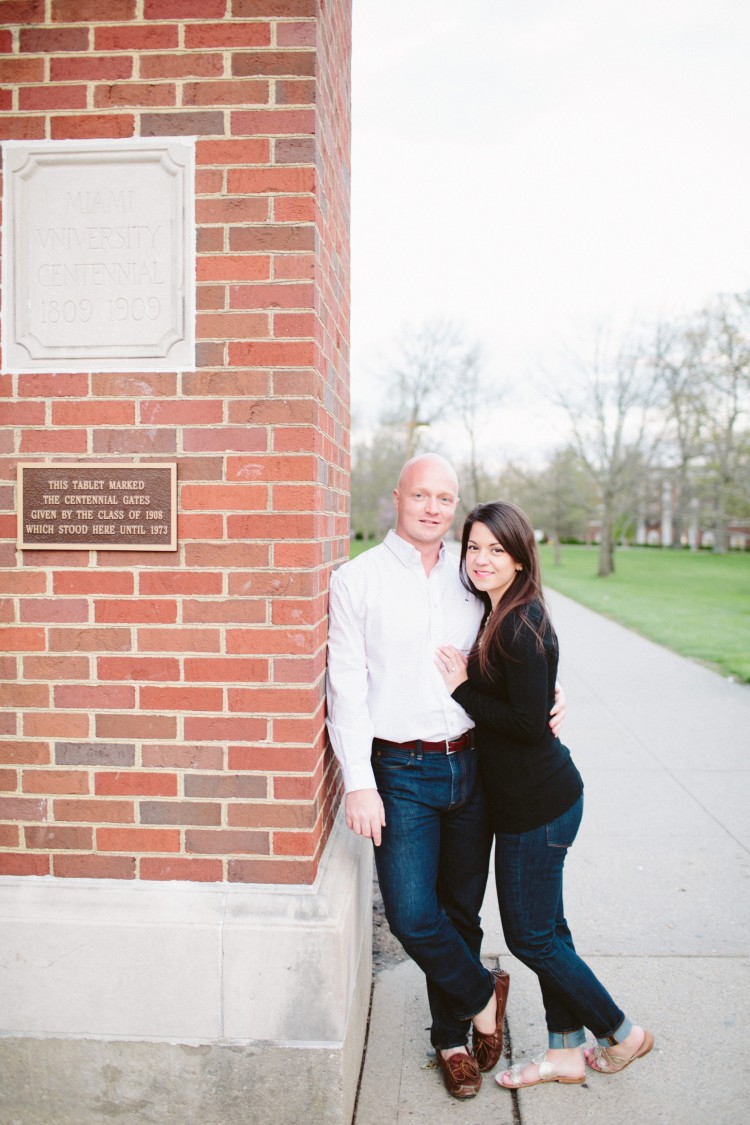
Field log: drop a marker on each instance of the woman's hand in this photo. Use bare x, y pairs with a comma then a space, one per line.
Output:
451, 664
557, 714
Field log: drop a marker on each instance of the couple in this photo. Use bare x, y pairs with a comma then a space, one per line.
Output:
435, 761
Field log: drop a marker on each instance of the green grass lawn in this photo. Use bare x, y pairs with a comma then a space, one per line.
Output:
697, 604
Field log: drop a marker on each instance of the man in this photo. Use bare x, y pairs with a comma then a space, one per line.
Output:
409, 765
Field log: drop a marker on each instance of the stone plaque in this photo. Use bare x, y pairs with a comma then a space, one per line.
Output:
99, 255
97, 507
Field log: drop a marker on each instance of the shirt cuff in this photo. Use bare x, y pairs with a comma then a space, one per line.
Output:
358, 776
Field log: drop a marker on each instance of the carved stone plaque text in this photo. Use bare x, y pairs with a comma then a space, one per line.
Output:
100, 507
98, 262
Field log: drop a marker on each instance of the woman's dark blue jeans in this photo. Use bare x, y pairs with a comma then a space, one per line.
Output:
432, 867
529, 876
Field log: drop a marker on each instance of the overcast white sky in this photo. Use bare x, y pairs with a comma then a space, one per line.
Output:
535, 169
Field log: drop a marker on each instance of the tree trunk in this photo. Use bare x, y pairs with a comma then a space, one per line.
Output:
607, 548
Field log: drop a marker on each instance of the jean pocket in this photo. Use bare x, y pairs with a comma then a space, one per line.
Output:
384, 758
562, 832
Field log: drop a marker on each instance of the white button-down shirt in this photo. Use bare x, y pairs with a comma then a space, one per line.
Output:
387, 618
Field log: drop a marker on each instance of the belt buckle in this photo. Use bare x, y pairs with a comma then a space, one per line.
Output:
448, 746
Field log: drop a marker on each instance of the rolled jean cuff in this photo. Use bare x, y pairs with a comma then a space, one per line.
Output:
622, 1032
560, 1039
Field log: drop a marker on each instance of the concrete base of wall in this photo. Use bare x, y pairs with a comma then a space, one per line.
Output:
183, 1002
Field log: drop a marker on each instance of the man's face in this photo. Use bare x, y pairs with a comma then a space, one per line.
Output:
425, 502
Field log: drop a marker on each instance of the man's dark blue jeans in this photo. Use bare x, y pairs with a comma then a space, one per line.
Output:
432, 867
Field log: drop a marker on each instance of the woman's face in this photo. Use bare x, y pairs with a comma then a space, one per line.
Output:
488, 564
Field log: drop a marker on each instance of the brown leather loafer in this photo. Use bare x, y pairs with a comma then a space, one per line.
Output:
488, 1048
460, 1074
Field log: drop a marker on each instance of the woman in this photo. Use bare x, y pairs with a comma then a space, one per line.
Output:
535, 795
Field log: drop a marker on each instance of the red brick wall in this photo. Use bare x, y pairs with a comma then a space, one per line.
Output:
162, 714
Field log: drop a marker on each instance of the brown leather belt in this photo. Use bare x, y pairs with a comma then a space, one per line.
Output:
452, 746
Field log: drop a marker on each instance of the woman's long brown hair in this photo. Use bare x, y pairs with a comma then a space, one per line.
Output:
510, 526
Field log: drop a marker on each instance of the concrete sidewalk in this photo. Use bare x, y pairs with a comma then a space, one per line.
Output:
656, 895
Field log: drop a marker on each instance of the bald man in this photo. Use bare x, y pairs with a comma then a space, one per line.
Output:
407, 755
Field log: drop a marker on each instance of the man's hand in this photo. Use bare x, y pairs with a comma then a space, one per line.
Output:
557, 714
365, 814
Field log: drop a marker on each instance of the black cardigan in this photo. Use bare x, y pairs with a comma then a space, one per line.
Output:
528, 775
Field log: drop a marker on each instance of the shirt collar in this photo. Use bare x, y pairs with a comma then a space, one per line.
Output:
406, 553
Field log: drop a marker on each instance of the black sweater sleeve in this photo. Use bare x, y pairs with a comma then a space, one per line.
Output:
524, 715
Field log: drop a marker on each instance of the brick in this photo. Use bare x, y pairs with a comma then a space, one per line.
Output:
12, 863
225, 438
93, 582
232, 209
296, 34
92, 126
161, 412
91, 68
225, 267
91, 696
10, 836
90, 11
181, 757
226, 786
225, 610
135, 94
219, 729
295, 150
195, 870
269, 641
211, 296
255, 181
135, 784
25, 753
53, 386
227, 34
272, 122
55, 609
14, 71
273, 700
273, 759
268, 814
275, 63
94, 754
226, 670
294, 209
179, 640
295, 843
225, 497
138, 668
139, 440
24, 695
24, 128
210, 354
196, 65
93, 867
296, 788
55, 781
287, 296
273, 526
136, 726
8, 781
248, 150
295, 267
295, 92
180, 812
53, 40
182, 124
8, 668
89, 640
224, 842
137, 840
271, 468
271, 353
137, 386
184, 9
138, 38
55, 725
22, 582
53, 97
22, 808
180, 582
90, 810
54, 441
200, 526
227, 554
56, 668
296, 730
53, 837
253, 9
201, 468
161, 611
229, 92
224, 384
181, 699
274, 411
269, 238
272, 871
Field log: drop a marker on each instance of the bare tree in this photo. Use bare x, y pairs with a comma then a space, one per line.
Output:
608, 405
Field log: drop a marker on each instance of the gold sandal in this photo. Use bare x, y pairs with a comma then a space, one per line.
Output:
603, 1061
548, 1072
